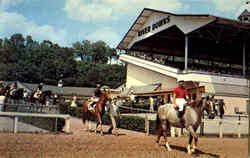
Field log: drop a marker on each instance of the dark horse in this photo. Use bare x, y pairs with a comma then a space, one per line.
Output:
42, 98
98, 112
4, 90
167, 117
18, 95
4, 93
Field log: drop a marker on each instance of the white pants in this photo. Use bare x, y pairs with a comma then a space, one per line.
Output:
180, 102
2, 99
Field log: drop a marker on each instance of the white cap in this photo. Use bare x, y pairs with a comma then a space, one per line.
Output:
180, 78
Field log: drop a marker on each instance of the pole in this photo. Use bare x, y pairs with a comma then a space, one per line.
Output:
244, 59
186, 53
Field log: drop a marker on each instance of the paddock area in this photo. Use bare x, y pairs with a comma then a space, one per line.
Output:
127, 144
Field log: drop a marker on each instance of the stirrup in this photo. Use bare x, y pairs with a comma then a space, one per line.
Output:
180, 114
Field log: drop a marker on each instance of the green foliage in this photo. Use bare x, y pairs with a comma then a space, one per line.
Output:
134, 123
26, 60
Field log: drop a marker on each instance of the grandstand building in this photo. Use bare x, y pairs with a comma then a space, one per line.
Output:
162, 47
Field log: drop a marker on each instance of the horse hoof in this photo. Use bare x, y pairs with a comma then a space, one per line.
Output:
189, 150
192, 150
116, 133
168, 147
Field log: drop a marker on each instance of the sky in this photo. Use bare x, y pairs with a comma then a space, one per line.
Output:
67, 21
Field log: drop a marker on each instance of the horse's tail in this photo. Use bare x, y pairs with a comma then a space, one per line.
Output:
158, 122
84, 112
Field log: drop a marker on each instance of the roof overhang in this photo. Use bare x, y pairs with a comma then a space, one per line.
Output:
150, 18
207, 35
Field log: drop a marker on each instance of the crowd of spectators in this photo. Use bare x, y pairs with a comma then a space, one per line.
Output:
196, 67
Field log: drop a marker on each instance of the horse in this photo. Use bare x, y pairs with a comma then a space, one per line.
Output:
167, 117
42, 98
4, 94
18, 95
98, 112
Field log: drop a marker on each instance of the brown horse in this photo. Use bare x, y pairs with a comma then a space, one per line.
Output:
42, 98
98, 112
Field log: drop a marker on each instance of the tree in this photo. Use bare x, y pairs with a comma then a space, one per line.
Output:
83, 50
29, 61
17, 40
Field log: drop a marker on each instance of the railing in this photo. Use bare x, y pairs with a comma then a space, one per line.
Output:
24, 109
31, 108
180, 65
16, 115
236, 123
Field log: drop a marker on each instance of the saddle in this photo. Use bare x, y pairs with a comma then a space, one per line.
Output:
92, 106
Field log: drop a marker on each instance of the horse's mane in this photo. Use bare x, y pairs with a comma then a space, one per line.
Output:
4, 90
47, 92
196, 103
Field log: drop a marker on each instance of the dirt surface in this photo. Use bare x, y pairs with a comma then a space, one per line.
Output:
82, 144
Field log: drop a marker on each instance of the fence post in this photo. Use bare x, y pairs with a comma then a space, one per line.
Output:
146, 125
67, 125
56, 124
15, 124
179, 130
238, 129
220, 129
172, 131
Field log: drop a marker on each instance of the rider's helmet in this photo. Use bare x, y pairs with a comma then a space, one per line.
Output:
40, 86
98, 85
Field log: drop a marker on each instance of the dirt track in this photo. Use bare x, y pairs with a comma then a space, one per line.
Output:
128, 144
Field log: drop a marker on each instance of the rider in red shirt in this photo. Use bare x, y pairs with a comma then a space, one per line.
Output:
180, 95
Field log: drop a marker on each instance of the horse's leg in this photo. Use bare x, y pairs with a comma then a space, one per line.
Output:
87, 123
195, 141
159, 134
189, 143
99, 122
192, 135
165, 126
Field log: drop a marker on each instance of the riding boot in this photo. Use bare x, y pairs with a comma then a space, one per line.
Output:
180, 114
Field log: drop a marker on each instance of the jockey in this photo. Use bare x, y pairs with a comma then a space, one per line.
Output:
13, 89
179, 97
95, 98
38, 91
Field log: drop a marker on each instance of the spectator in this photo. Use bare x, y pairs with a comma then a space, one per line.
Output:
221, 107
132, 99
25, 95
151, 103
73, 102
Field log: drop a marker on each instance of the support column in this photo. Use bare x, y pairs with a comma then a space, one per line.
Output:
244, 59
67, 125
15, 124
186, 53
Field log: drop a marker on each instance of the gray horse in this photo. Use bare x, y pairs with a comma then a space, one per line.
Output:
167, 117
